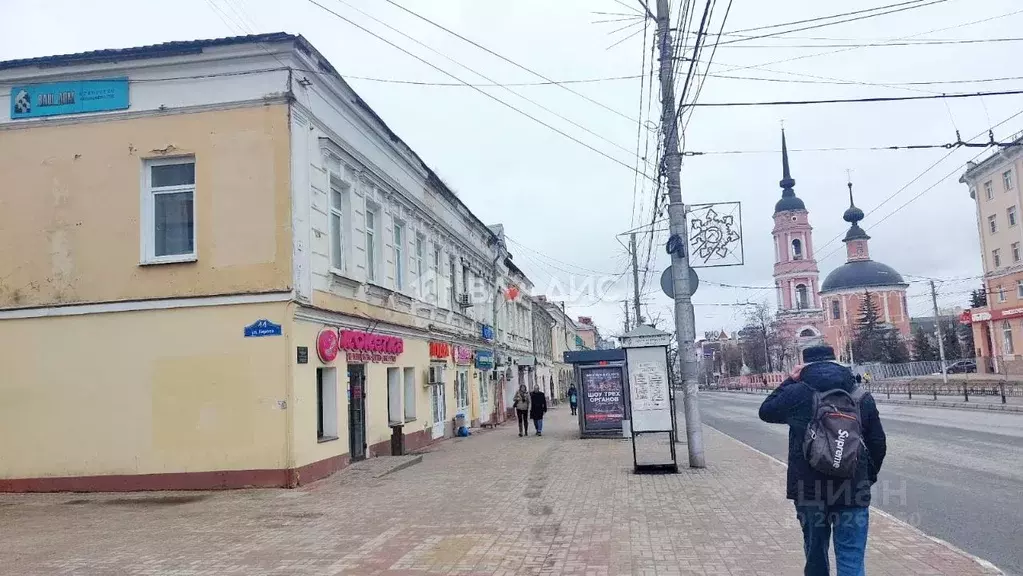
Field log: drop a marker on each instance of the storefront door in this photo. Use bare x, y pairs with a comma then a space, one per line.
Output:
485, 395
462, 393
357, 411
440, 415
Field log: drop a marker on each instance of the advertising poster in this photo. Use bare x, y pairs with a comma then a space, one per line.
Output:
604, 406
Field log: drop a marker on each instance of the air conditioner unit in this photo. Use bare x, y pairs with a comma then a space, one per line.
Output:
463, 300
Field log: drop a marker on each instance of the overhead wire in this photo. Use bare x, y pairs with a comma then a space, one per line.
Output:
955, 95
822, 18
487, 94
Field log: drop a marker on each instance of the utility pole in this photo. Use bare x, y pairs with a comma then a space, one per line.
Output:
628, 322
635, 278
937, 331
685, 318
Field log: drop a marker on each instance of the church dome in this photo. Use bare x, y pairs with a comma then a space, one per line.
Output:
789, 203
861, 274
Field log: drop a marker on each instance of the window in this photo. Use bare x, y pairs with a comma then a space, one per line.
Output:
168, 206
484, 388
1019, 289
996, 258
395, 408
989, 190
465, 279
434, 274
399, 257
451, 282
807, 333
797, 249
836, 309
462, 390
1007, 337
326, 404
1010, 215
992, 224
802, 297
1001, 294
371, 248
1007, 180
417, 263
410, 394
337, 247
1015, 252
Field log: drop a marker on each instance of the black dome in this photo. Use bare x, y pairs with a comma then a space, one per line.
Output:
861, 274
789, 203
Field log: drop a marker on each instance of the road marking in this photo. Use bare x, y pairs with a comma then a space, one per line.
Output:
982, 562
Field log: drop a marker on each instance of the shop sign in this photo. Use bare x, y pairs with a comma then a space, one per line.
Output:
1002, 314
61, 98
261, 328
487, 332
966, 317
365, 347
327, 345
461, 354
485, 359
440, 350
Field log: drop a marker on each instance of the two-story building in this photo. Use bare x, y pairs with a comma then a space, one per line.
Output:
994, 187
221, 268
563, 339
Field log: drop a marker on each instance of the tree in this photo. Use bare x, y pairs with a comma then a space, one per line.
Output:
758, 338
966, 334
923, 350
731, 360
978, 298
893, 349
950, 338
869, 338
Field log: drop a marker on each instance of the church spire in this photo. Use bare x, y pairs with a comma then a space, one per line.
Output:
853, 216
789, 201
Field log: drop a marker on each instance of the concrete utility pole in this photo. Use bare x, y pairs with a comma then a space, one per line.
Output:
628, 322
937, 331
685, 319
635, 278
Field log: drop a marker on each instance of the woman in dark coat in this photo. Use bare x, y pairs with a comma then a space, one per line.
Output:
537, 408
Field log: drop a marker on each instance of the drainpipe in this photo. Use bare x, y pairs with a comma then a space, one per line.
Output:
289, 395
496, 300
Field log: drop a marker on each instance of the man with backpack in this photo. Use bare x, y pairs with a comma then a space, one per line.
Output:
836, 447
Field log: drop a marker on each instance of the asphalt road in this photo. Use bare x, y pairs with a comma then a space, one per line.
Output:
956, 475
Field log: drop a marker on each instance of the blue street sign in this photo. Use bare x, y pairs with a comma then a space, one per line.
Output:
61, 98
487, 332
261, 328
485, 359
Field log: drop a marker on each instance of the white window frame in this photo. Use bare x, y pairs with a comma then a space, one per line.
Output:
1019, 289
409, 394
435, 262
996, 258
327, 404
338, 211
1010, 216
989, 190
1001, 294
1015, 252
1007, 345
399, 256
1007, 180
417, 260
992, 224
148, 219
836, 310
371, 233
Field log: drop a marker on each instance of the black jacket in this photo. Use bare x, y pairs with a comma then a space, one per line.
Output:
791, 403
537, 405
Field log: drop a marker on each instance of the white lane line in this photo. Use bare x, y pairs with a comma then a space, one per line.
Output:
982, 562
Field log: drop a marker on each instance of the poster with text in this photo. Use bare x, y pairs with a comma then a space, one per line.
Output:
604, 406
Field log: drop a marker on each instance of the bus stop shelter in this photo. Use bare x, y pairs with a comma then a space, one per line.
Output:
600, 376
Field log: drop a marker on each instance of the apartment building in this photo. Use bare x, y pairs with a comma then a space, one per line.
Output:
223, 269
998, 327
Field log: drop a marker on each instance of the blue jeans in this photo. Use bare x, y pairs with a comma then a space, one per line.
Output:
538, 423
850, 533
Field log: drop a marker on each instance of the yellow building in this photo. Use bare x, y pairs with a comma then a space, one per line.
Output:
222, 269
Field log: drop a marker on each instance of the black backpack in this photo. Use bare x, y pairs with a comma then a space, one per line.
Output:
833, 444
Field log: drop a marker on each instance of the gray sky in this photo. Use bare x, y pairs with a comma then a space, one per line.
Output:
561, 203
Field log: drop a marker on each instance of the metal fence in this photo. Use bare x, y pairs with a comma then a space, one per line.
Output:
880, 371
955, 387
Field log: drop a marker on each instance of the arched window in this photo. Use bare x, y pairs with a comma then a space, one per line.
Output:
807, 333
797, 249
802, 297
1007, 337
836, 309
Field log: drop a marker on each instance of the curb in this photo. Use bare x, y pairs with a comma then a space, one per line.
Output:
986, 565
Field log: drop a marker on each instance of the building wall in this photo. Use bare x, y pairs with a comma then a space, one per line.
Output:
1003, 199
111, 397
891, 302
72, 231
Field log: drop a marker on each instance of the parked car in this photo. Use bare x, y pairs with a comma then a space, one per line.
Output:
961, 367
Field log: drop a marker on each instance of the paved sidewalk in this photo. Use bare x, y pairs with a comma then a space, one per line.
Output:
491, 504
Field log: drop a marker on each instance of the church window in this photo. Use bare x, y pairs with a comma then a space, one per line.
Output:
807, 333
802, 297
836, 309
797, 249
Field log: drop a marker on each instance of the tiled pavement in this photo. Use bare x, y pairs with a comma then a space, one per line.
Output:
491, 504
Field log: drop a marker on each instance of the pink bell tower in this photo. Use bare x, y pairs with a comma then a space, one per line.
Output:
800, 317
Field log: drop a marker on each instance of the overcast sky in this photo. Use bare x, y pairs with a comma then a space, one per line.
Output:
562, 204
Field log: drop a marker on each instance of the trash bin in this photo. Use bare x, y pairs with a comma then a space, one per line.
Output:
397, 440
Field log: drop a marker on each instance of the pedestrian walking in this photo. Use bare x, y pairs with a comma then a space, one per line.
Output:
836, 447
537, 408
573, 398
521, 404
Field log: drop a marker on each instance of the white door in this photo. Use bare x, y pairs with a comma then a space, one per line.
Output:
485, 397
462, 394
440, 415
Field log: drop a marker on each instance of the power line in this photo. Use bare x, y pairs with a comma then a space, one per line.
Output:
893, 148
853, 83
487, 94
508, 60
495, 84
855, 100
821, 18
881, 44
639, 125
